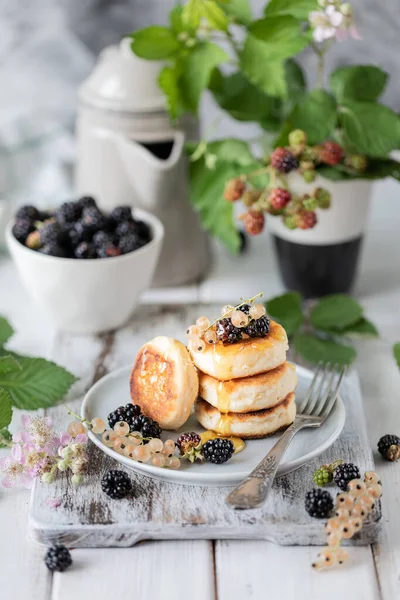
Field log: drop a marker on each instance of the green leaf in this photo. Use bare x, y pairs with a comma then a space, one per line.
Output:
192, 13
6, 330
267, 75
215, 16
9, 364
315, 350
5, 408
5, 437
316, 115
239, 10
232, 150
362, 329
363, 83
282, 36
168, 80
39, 384
154, 43
287, 310
378, 168
197, 70
241, 99
396, 353
335, 312
297, 8
373, 129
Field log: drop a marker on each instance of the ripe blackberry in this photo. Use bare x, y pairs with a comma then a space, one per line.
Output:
322, 476
253, 222
68, 212
234, 189
21, 229
124, 413
258, 328
30, 213
85, 250
147, 427
226, 332
50, 233
121, 213
58, 558
218, 451
116, 484
86, 202
389, 447
130, 242
279, 198
345, 473
92, 219
79, 233
283, 160
142, 230
108, 251
330, 153
319, 503
53, 249
189, 445
102, 238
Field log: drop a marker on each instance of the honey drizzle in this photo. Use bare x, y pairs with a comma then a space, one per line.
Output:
238, 443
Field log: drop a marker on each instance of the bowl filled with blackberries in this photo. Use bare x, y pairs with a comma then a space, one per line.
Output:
85, 267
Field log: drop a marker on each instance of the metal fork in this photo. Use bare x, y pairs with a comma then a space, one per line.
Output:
313, 412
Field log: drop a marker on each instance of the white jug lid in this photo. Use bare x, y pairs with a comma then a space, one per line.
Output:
121, 81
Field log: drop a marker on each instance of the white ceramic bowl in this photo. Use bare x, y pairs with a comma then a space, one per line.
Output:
89, 295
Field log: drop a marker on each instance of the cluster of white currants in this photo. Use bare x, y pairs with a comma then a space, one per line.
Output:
352, 508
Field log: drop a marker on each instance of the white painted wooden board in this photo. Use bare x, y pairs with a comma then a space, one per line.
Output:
158, 510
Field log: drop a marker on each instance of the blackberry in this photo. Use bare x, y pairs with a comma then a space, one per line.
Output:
279, 198
254, 222
142, 230
124, 413
234, 189
258, 328
345, 473
330, 153
85, 250
389, 447
79, 233
322, 476
30, 213
68, 212
283, 160
44, 215
218, 451
108, 251
226, 332
129, 243
53, 249
147, 427
92, 219
21, 229
124, 228
86, 202
58, 558
121, 213
102, 238
50, 233
189, 445
319, 504
116, 484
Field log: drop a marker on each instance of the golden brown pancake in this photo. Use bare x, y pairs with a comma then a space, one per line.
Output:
245, 358
164, 382
249, 394
250, 425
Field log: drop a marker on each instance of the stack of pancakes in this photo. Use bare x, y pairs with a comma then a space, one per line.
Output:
246, 388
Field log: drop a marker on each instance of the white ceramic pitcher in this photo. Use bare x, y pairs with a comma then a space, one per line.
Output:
129, 153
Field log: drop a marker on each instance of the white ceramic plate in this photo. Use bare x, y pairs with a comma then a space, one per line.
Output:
113, 391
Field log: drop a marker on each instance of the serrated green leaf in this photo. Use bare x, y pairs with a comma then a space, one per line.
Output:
373, 129
362, 83
197, 69
315, 114
215, 15
362, 329
396, 353
8, 364
271, 77
335, 312
5, 437
282, 36
239, 10
6, 331
287, 310
154, 43
168, 80
315, 350
296, 8
39, 384
5, 408
231, 150
192, 13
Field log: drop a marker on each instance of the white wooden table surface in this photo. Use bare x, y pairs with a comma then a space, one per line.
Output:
223, 570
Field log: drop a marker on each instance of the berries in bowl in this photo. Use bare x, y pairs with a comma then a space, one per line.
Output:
87, 268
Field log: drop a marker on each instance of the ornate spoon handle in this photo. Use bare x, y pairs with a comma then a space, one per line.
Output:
253, 491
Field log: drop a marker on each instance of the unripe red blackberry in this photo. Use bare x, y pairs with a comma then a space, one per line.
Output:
234, 189
254, 222
305, 219
279, 198
330, 153
283, 160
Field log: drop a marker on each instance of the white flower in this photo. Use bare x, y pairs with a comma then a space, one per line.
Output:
334, 21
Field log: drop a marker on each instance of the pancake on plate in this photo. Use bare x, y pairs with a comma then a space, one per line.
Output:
250, 425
